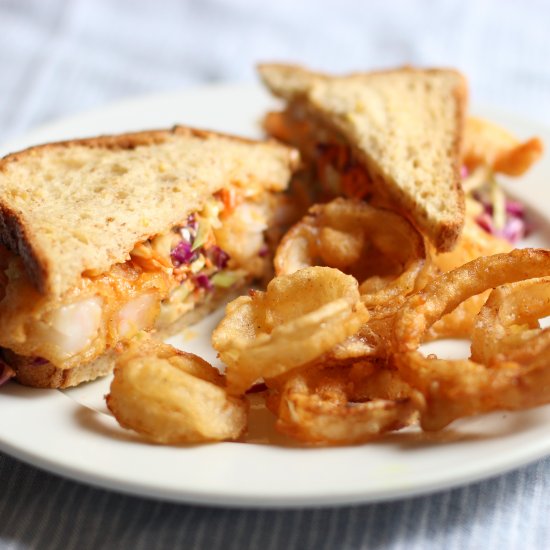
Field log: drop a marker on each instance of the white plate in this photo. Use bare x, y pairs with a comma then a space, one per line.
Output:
72, 434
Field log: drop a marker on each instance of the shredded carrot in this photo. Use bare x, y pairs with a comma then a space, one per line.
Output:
355, 183
353, 180
284, 127
230, 198
276, 126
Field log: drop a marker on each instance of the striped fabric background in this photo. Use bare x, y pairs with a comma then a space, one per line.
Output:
63, 56
39, 510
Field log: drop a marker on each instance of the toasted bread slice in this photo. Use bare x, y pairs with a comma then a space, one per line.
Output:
81, 206
404, 125
29, 372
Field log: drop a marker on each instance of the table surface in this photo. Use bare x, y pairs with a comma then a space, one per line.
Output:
60, 57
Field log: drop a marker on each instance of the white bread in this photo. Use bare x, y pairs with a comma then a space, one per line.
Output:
404, 125
80, 206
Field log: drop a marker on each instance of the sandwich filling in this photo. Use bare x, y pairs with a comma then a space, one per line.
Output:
224, 245
334, 169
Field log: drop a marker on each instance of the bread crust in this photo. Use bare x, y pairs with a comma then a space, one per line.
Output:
48, 376
17, 237
126, 141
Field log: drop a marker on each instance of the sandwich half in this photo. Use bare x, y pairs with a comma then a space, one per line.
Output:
107, 236
391, 137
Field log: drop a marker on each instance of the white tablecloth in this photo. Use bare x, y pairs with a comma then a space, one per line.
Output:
59, 57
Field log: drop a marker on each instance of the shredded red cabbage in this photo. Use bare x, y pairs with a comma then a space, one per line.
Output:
264, 251
508, 221
485, 221
218, 257
189, 249
464, 172
515, 227
203, 281
515, 208
182, 254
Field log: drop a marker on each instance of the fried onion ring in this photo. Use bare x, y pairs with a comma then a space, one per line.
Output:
298, 318
338, 406
509, 320
487, 144
453, 389
460, 388
473, 243
447, 291
376, 246
172, 397
373, 340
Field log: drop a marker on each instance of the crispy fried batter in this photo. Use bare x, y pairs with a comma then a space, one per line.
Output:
343, 405
456, 388
169, 396
299, 317
490, 145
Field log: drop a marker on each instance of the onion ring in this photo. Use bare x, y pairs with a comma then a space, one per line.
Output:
298, 318
473, 243
453, 389
487, 144
447, 291
337, 406
376, 246
169, 396
509, 320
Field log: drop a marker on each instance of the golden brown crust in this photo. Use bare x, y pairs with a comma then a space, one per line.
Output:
127, 141
16, 236
450, 234
264, 68
48, 376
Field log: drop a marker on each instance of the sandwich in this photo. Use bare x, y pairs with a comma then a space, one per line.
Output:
392, 138
101, 238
